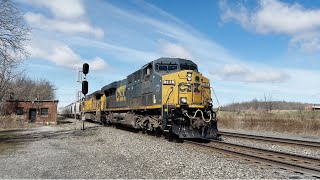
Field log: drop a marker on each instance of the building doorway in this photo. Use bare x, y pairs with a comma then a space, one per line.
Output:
32, 115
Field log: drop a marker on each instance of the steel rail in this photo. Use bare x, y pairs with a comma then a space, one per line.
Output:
309, 144
276, 158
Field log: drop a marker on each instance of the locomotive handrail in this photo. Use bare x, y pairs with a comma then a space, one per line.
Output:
210, 116
169, 97
216, 99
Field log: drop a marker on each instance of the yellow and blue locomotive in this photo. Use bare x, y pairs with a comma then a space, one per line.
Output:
167, 95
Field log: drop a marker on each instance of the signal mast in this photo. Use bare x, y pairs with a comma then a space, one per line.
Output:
83, 80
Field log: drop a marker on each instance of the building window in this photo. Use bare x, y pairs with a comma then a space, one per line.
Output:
19, 110
44, 112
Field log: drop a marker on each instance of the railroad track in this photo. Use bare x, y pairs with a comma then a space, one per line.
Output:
309, 144
296, 163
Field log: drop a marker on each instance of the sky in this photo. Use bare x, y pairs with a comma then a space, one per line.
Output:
246, 48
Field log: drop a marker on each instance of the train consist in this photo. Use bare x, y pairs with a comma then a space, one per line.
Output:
71, 110
167, 95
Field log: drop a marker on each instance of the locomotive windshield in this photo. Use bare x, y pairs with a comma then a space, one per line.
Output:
166, 67
188, 67
169, 66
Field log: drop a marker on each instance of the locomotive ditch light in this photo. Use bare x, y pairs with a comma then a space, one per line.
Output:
85, 68
189, 76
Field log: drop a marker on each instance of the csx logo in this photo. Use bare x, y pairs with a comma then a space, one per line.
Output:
120, 94
196, 87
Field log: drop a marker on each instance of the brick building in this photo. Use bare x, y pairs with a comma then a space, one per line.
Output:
40, 111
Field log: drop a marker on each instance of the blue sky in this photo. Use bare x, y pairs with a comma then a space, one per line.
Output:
246, 48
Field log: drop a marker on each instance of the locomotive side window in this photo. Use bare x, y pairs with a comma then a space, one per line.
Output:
137, 76
147, 71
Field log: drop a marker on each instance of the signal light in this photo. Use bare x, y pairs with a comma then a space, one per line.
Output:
84, 87
85, 68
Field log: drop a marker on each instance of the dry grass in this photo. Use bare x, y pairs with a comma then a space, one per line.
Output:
15, 122
292, 122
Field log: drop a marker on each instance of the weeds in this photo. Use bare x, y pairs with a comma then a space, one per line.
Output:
293, 122
14, 122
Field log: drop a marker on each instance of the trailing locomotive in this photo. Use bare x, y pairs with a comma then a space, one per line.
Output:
166, 95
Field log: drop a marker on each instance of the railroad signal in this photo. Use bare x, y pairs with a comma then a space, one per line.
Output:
85, 68
85, 71
84, 87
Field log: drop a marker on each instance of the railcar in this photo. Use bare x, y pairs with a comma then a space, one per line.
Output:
72, 110
166, 95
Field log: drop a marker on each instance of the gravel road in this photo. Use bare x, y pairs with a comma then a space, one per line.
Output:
64, 151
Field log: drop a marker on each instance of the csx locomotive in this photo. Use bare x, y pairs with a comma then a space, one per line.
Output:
166, 95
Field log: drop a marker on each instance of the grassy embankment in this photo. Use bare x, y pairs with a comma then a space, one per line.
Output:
292, 122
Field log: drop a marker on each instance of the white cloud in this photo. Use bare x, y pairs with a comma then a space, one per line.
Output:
133, 37
175, 50
274, 16
236, 72
123, 53
69, 17
62, 55
40, 21
98, 64
70, 9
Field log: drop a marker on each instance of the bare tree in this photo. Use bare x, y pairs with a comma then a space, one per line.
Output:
268, 103
24, 88
13, 36
254, 104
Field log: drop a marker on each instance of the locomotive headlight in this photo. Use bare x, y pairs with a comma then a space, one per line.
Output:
189, 76
183, 100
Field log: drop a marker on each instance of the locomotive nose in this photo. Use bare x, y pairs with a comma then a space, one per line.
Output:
190, 89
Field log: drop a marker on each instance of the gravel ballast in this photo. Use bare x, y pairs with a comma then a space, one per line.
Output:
300, 150
106, 152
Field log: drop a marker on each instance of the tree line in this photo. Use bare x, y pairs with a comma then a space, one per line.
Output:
266, 104
14, 35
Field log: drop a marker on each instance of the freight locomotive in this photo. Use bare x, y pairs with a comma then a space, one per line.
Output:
166, 95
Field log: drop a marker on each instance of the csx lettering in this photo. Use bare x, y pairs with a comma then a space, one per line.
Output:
120, 94
196, 87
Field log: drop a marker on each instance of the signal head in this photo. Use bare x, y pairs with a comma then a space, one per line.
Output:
85, 68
